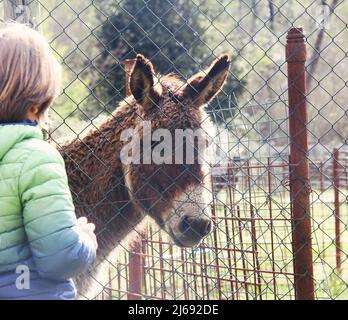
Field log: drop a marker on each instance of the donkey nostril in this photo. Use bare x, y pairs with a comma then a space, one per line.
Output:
202, 227
195, 226
207, 228
185, 224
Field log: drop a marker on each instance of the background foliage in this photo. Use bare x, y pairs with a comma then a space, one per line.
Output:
92, 38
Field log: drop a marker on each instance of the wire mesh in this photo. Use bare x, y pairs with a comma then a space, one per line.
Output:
249, 254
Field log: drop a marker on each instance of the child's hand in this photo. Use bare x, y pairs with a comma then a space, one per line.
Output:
87, 229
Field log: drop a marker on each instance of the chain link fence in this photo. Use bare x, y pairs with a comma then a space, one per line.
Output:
279, 173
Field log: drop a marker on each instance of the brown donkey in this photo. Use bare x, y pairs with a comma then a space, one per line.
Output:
117, 196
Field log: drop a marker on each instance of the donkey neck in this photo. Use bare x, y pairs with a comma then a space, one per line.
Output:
97, 181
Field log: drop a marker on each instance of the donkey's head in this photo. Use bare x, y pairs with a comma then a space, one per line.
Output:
169, 179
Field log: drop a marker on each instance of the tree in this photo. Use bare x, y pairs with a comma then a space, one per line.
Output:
314, 59
169, 32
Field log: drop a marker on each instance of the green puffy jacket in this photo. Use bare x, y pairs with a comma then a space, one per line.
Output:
37, 218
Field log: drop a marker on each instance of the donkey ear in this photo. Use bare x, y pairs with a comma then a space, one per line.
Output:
204, 86
143, 84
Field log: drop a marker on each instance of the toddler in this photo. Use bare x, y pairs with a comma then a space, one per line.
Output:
42, 244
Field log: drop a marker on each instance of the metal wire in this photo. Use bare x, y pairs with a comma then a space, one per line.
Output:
250, 253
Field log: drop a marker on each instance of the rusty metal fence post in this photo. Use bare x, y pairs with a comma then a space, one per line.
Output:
336, 181
135, 264
299, 177
135, 271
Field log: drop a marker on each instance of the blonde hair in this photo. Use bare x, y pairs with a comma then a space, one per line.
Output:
30, 76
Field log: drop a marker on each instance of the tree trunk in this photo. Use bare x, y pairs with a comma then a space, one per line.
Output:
314, 59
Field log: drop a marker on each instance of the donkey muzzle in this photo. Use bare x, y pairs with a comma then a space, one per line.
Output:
195, 227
